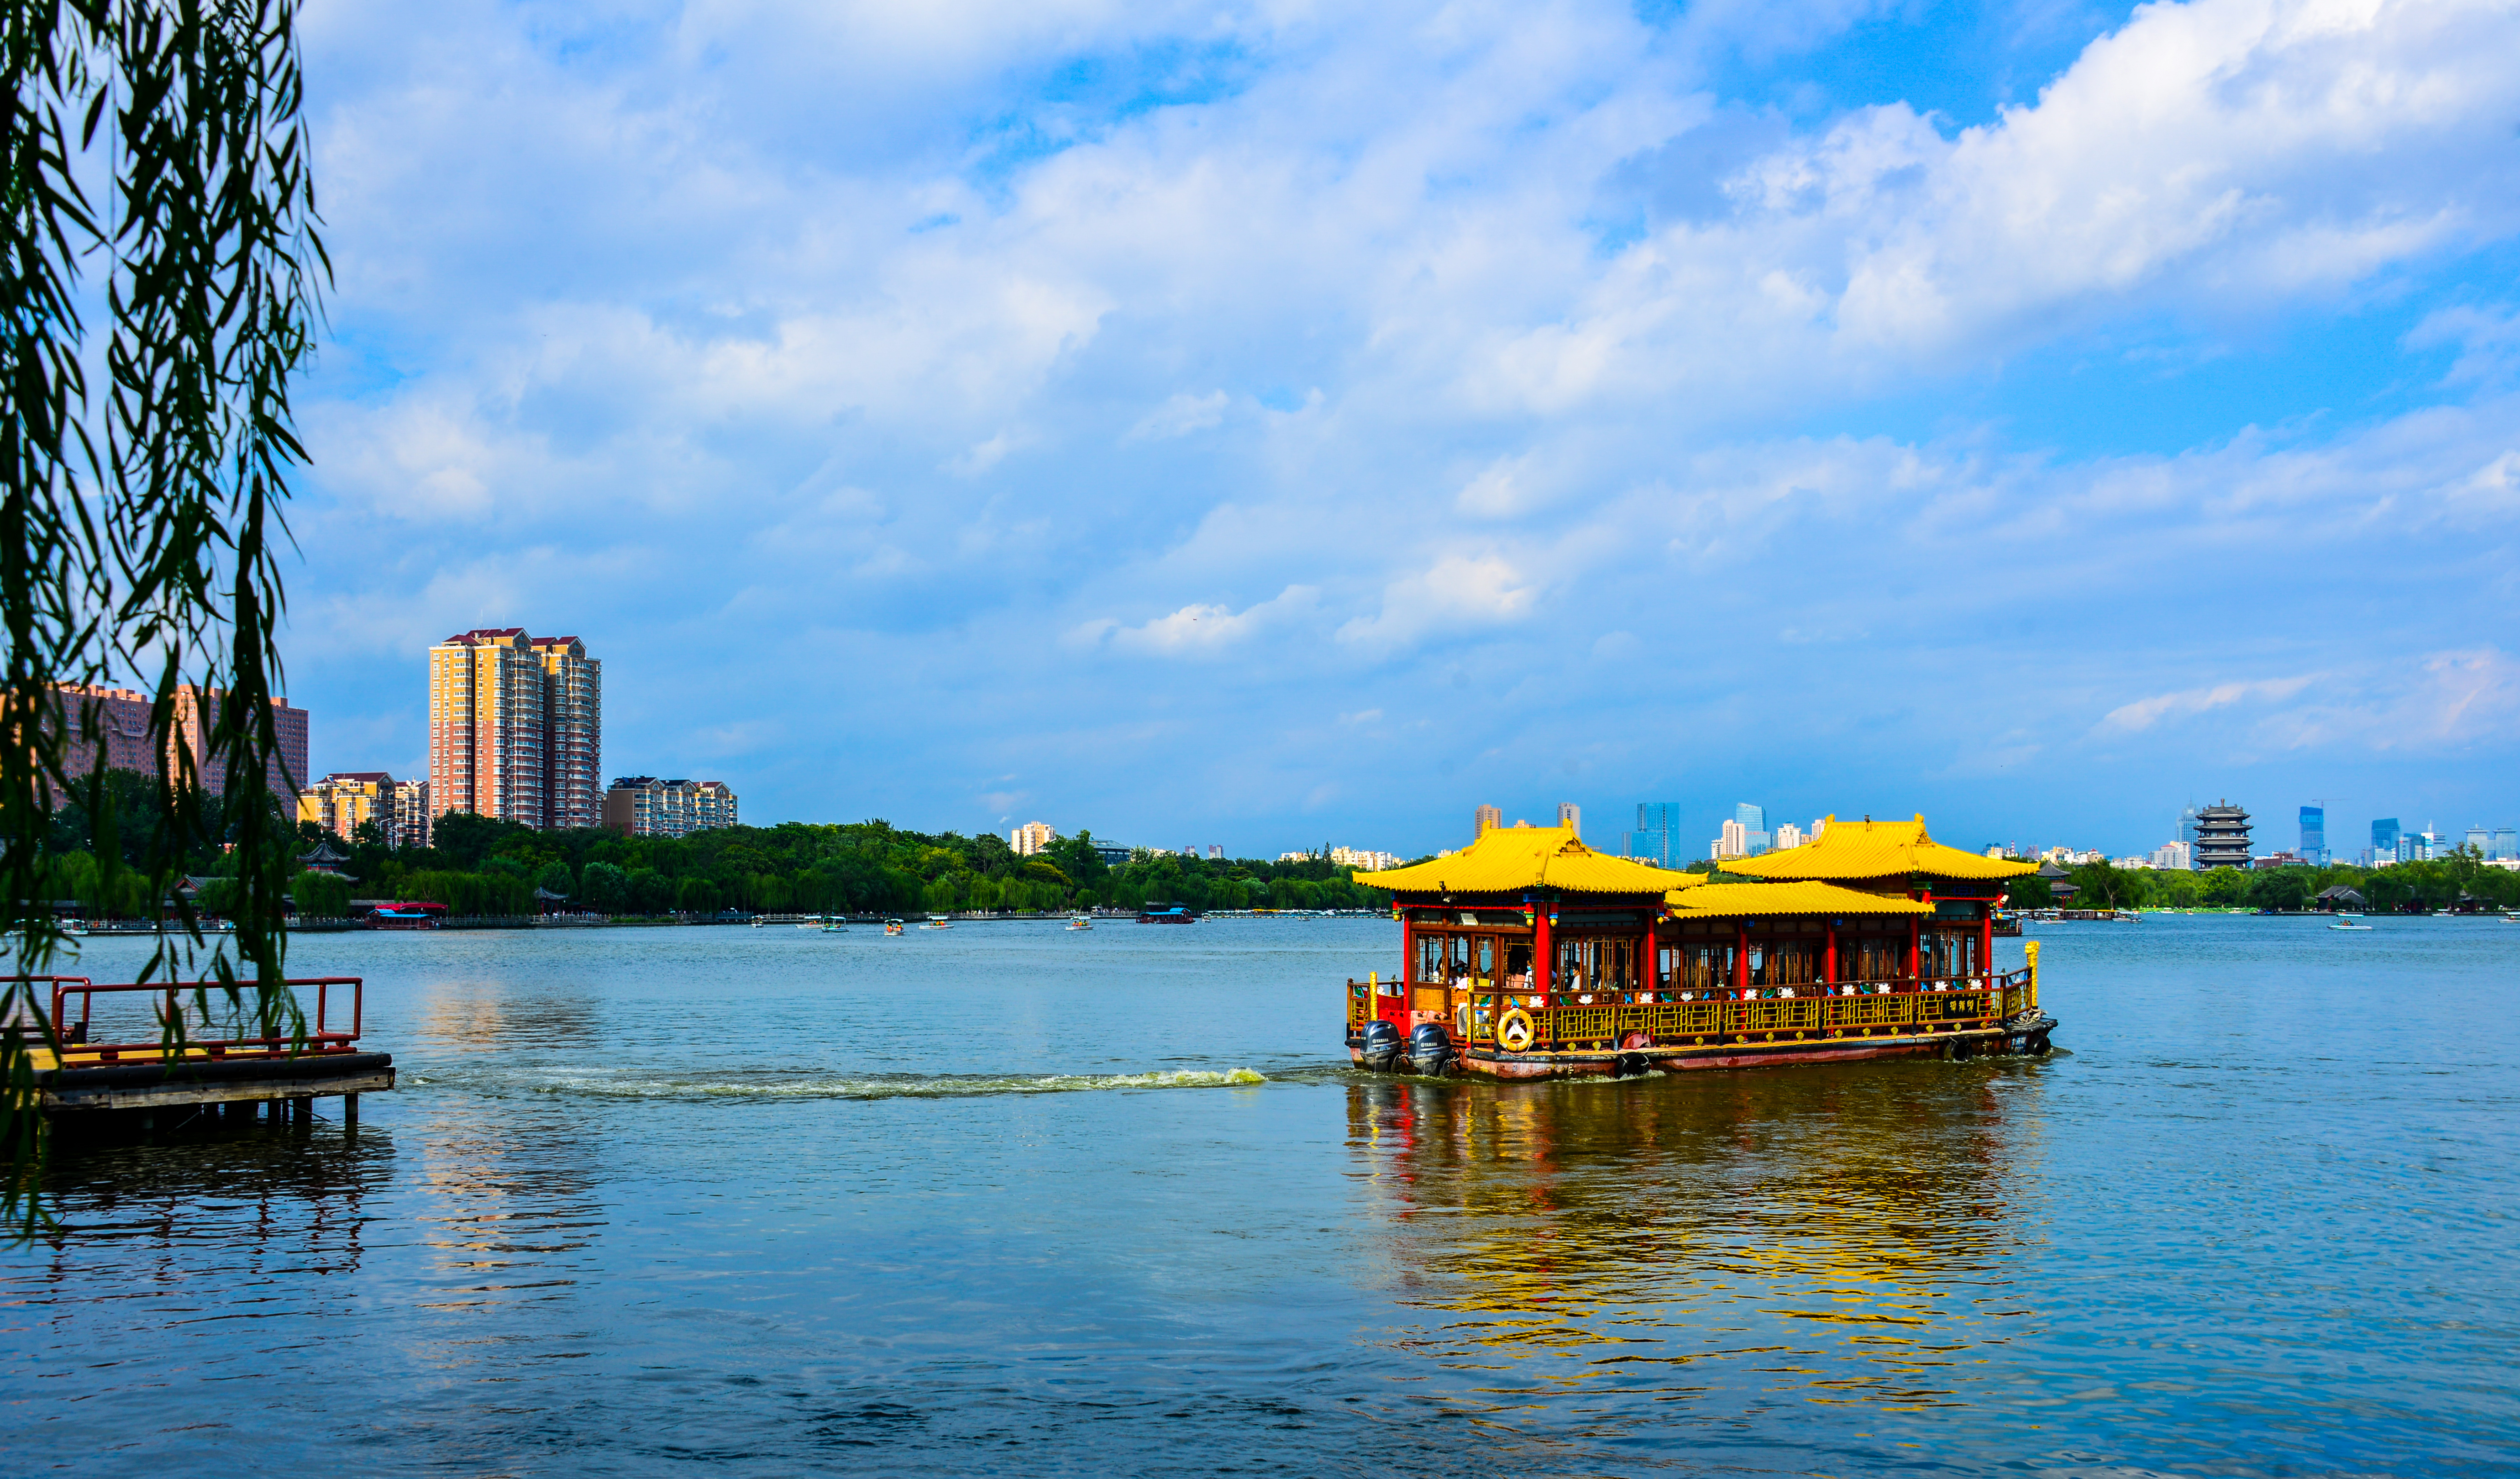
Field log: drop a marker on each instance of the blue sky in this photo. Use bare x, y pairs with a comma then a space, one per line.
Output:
1277, 424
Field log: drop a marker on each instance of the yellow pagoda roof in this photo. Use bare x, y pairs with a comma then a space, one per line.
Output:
1868, 849
1735, 901
1512, 859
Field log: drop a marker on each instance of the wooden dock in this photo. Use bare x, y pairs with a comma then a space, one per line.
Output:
221, 1063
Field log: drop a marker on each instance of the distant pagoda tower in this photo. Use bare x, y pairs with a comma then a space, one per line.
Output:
2222, 837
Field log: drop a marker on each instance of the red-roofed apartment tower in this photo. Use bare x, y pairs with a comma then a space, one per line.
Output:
514, 727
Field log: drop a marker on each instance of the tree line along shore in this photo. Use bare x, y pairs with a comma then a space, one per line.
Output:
482, 866
2463, 881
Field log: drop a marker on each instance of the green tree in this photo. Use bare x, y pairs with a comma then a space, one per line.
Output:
2223, 887
555, 878
607, 888
321, 896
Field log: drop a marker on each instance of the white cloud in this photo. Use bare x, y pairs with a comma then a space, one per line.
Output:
1179, 416
2144, 714
1456, 596
1202, 630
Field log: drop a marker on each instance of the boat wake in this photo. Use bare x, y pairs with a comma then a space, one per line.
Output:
775, 1085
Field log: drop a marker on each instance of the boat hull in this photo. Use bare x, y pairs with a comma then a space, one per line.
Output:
2025, 1036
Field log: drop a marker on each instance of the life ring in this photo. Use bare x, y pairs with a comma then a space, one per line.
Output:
1515, 1031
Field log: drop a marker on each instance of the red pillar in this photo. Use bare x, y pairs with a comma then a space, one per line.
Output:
1652, 973
1542, 948
1985, 942
1914, 972
1742, 960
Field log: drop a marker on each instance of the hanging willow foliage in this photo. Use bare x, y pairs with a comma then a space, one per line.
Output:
159, 186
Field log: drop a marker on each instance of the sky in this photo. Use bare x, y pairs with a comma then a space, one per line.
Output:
1277, 425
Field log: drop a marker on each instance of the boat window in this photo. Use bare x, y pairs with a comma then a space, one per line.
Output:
1483, 960
1595, 962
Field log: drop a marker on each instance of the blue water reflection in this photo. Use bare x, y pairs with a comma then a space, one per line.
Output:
1010, 1199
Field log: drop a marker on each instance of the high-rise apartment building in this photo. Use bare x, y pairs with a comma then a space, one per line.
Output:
2176, 856
1486, 820
2314, 836
1788, 836
1734, 841
2384, 841
1031, 837
516, 728
117, 721
1571, 817
643, 806
410, 815
572, 733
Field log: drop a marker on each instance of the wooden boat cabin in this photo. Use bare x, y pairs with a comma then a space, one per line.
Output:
1529, 955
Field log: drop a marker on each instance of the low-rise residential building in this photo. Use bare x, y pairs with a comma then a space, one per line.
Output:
343, 799
1030, 838
1357, 857
643, 806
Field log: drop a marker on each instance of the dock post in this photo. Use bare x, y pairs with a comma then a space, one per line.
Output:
2031, 949
349, 1112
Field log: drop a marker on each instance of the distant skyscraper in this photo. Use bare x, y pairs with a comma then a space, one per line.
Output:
2188, 826
2507, 842
2314, 836
2482, 840
1651, 841
1752, 817
1031, 839
1484, 819
2384, 841
1736, 841
1216, 849
1571, 817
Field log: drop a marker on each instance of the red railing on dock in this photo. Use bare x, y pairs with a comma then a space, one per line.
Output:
320, 1035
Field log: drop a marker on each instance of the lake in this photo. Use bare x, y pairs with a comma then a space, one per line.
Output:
1010, 1200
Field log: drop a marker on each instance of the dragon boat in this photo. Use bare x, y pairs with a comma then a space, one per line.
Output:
1529, 955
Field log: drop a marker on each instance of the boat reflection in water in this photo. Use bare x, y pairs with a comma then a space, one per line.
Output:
1603, 1260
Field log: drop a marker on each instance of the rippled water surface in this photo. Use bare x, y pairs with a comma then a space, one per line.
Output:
1013, 1200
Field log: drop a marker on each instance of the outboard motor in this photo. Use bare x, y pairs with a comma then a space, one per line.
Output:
1381, 1046
1429, 1049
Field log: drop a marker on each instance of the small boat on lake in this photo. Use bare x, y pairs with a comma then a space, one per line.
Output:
1080, 922
892, 926
1170, 913
936, 921
1528, 955
2348, 924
